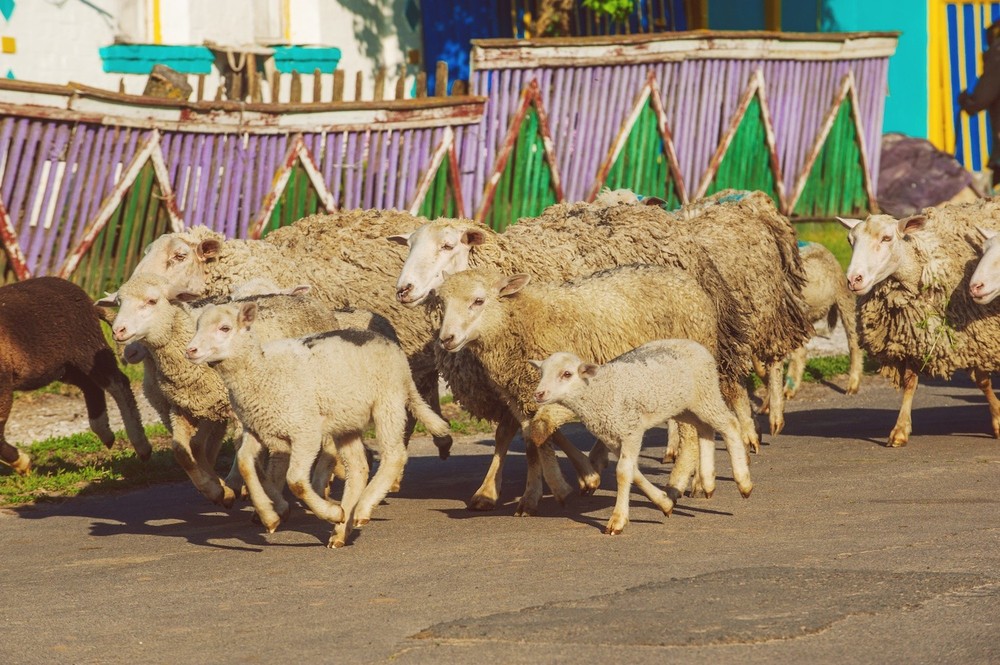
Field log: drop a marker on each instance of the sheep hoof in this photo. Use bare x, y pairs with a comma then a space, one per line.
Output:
336, 543
479, 502
615, 525
361, 521
898, 437
709, 493
443, 444
777, 425
22, 465
228, 498
745, 490
589, 483
526, 509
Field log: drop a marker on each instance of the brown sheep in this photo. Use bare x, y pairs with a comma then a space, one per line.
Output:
50, 331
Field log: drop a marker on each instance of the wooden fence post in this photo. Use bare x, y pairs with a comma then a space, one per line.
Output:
441, 79
295, 95
401, 83
359, 84
379, 85
317, 86
275, 87
338, 85
421, 84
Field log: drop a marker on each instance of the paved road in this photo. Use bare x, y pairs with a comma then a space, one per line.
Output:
846, 552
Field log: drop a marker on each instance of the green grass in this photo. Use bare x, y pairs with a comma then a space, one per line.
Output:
831, 234
824, 368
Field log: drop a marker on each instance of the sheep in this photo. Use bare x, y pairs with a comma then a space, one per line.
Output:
291, 394
622, 399
916, 314
50, 331
760, 284
351, 269
825, 296
192, 400
504, 321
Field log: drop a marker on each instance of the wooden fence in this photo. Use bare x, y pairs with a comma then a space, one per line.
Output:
89, 177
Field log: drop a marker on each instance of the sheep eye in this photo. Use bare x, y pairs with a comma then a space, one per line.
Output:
479, 302
224, 329
567, 374
447, 247
886, 238
151, 302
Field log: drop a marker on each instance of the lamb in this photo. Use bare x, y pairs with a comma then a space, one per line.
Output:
292, 394
825, 296
504, 321
916, 315
50, 331
622, 399
192, 400
344, 257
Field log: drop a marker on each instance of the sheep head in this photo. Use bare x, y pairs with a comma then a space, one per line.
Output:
437, 247
181, 259
473, 305
564, 375
143, 308
878, 248
220, 331
984, 286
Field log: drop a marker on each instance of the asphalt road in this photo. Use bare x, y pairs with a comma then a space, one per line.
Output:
846, 552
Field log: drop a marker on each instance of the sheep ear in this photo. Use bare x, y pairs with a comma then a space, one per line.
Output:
508, 286
987, 233
473, 237
537, 364
910, 224
108, 300
849, 222
186, 296
588, 370
299, 290
209, 249
247, 315
400, 239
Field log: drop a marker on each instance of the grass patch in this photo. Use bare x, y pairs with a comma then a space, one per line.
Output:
67, 466
831, 234
824, 368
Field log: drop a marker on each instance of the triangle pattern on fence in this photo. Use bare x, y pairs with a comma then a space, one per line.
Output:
298, 190
837, 156
13, 263
746, 157
642, 157
139, 208
525, 178
440, 193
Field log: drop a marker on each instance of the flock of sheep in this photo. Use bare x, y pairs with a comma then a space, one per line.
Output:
617, 313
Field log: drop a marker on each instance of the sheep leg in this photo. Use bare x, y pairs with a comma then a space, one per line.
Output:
188, 450
739, 398
673, 442
97, 404
305, 449
686, 464
628, 463
598, 456
528, 505
775, 389
488, 493
552, 474
351, 453
796, 369
983, 382
206, 444
846, 307
389, 420
233, 479
427, 386
761, 371
900, 434
269, 513
588, 477
322, 472
9, 455
706, 457
659, 498
107, 375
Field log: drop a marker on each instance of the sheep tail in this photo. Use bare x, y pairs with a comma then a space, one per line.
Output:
831, 317
435, 424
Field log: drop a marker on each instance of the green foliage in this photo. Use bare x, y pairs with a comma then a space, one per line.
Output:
67, 466
830, 234
618, 10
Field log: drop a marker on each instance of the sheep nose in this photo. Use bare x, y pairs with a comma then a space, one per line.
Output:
540, 395
854, 280
120, 333
446, 340
403, 291
191, 351
976, 288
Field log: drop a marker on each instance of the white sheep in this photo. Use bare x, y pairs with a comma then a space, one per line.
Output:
825, 297
504, 321
622, 399
916, 314
293, 394
192, 400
